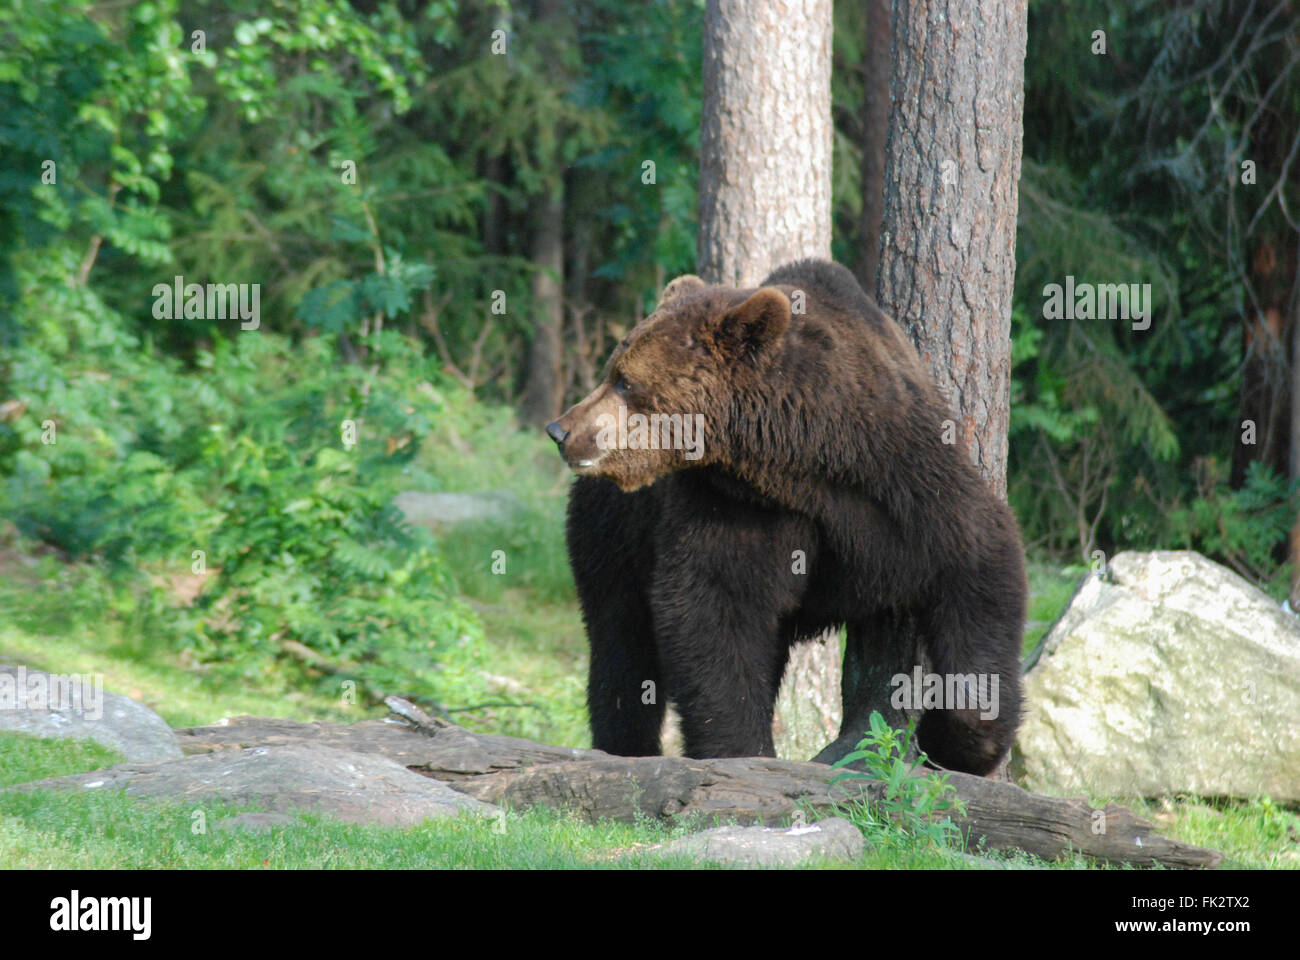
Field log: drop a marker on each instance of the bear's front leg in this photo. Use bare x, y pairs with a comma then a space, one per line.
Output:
720, 589
723, 663
611, 554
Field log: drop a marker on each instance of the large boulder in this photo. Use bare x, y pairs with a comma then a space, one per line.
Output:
1169, 674
77, 707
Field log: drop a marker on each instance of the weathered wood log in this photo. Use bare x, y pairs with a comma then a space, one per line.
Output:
594, 785
454, 754
999, 816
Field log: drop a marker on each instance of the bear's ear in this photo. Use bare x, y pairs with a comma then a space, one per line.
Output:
687, 283
746, 331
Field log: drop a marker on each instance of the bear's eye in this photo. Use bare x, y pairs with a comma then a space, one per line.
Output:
621, 386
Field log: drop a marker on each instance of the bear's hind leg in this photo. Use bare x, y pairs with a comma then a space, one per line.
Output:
973, 641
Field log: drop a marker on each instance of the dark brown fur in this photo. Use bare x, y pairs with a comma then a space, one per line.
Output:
823, 434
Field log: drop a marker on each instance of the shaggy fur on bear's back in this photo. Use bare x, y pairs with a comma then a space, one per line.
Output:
822, 494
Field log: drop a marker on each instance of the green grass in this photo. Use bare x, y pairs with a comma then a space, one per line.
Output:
26, 758
110, 831
1050, 590
543, 649
182, 694
1256, 834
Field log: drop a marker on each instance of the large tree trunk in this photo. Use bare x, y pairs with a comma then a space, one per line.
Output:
948, 253
544, 385
875, 132
951, 197
544, 372
765, 199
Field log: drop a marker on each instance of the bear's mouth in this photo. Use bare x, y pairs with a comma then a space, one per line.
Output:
587, 465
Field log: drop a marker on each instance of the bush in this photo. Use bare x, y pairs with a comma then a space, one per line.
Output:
271, 467
1242, 528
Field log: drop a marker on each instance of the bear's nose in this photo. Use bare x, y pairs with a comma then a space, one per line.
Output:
557, 433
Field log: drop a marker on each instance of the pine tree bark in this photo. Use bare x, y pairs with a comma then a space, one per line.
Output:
543, 374
951, 196
948, 255
765, 137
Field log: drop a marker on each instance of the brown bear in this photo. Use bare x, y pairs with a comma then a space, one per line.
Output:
752, 473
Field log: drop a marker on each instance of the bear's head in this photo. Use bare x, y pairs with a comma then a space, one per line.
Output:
672, 384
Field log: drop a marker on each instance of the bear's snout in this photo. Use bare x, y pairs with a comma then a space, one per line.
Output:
557, 433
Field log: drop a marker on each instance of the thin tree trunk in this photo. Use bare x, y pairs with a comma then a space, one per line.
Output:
494, 227
1293, 472
875, 133
577, 272
543, 386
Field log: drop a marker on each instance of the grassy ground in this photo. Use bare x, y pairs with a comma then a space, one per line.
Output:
541, 645
108, 831
66, 620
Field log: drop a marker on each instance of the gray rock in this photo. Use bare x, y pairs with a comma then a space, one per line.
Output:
833, 838
354, 787
1173, 676
808, 704
255, 822
440, 512
77, 707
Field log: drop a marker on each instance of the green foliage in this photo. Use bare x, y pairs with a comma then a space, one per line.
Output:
96, 412
342, 305
89, 112
1133, 173
910, 802
246, 466
308, 545
1242, 528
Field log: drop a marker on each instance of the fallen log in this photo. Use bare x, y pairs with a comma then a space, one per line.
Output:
595, 786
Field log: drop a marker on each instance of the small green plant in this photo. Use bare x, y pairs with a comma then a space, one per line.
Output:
910, 802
